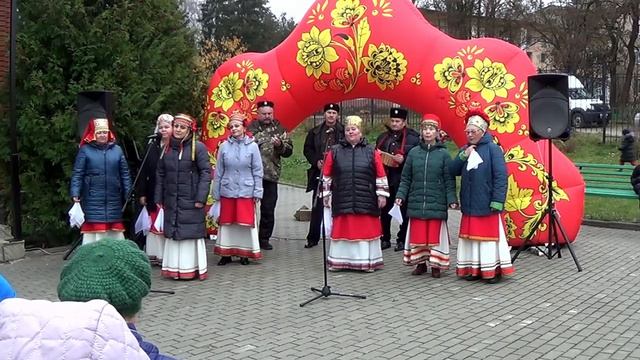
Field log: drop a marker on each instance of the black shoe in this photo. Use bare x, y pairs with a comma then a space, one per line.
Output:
399, 246
472, 277
266, 246
244, 261
494, 280
224, 260
385, 244
310, 244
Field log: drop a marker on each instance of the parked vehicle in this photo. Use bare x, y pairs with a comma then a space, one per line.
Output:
585, 110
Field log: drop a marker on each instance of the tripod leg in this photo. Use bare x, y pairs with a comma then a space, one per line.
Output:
311, 300
569, 246
534, 228
74, 246
350, 295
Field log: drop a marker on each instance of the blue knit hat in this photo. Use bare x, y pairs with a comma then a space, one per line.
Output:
6, 291
112, 270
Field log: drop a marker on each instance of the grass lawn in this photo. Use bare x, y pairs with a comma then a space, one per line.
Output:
580, 148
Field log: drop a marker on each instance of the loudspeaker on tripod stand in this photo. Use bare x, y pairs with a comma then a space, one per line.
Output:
549, 107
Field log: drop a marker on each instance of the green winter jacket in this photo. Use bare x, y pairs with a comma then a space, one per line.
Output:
426, 184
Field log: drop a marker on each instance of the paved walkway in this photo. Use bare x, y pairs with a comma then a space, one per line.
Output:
546, 311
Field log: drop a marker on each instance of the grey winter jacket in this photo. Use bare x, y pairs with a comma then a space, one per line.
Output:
180, 183
238, 170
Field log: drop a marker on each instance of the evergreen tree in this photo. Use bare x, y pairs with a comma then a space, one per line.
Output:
249, 20
140, 50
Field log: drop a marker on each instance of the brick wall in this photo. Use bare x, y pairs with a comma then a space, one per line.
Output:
5, 28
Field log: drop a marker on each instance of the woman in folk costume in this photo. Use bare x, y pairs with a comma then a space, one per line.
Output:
146, 186
429, 190
100, 182
237, 185
355, 187
182, 186
482, 247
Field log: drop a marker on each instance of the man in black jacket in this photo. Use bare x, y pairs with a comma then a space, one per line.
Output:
395, 144
316, 144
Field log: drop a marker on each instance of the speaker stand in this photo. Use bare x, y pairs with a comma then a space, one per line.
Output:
555, 225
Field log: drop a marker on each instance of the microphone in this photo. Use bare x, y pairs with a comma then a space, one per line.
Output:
155, 136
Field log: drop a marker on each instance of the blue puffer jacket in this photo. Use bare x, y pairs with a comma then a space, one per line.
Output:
484, 186
101, 180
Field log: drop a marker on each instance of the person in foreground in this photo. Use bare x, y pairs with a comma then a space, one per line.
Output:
100, 182
483, 252
237, 185
355, 187
183, 179
116, 271
41, 329
429, 190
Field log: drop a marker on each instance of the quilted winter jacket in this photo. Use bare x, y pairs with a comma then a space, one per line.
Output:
101, 180
40, 329
484, 185
238, 170
427, 186
180, 183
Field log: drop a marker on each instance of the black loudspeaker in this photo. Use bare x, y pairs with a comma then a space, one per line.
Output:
93, 104
549, 106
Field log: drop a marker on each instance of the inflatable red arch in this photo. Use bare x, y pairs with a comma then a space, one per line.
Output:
344, 49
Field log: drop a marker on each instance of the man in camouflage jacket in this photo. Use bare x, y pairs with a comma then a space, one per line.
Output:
274, 144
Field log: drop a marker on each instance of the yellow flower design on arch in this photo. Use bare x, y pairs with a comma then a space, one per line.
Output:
314, 52
228, 91
504, 116
255, 82
449, 73
216, 124
385, 66
490, 79
347, 13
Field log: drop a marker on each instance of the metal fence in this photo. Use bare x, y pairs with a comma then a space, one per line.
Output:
375, 111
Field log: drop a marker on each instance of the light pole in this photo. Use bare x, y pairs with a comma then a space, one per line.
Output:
13, 130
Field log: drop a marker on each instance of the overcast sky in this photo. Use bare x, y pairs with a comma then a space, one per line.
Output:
294, 8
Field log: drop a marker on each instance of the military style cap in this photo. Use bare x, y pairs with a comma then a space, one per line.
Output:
332, 106
398, 113
264, 103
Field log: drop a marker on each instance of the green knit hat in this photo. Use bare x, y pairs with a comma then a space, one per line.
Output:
112, 270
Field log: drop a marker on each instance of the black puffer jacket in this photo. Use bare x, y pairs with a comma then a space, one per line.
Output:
627, 148
354, 179
635, 180
180, 183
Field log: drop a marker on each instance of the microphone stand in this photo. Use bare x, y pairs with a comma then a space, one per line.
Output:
326, 289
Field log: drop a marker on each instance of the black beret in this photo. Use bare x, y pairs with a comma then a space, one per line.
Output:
399, 113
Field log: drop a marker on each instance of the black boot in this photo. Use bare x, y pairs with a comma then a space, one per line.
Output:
399, 246
224, 260
385, 244
244, 261
264, 245
310, 244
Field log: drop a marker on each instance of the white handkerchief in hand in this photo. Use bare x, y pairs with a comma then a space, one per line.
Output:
396, 214
76, 216
159, 224
143, 223
214, 211
473, 161
327, 222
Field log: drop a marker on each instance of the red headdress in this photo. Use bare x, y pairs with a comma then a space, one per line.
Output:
95, 125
